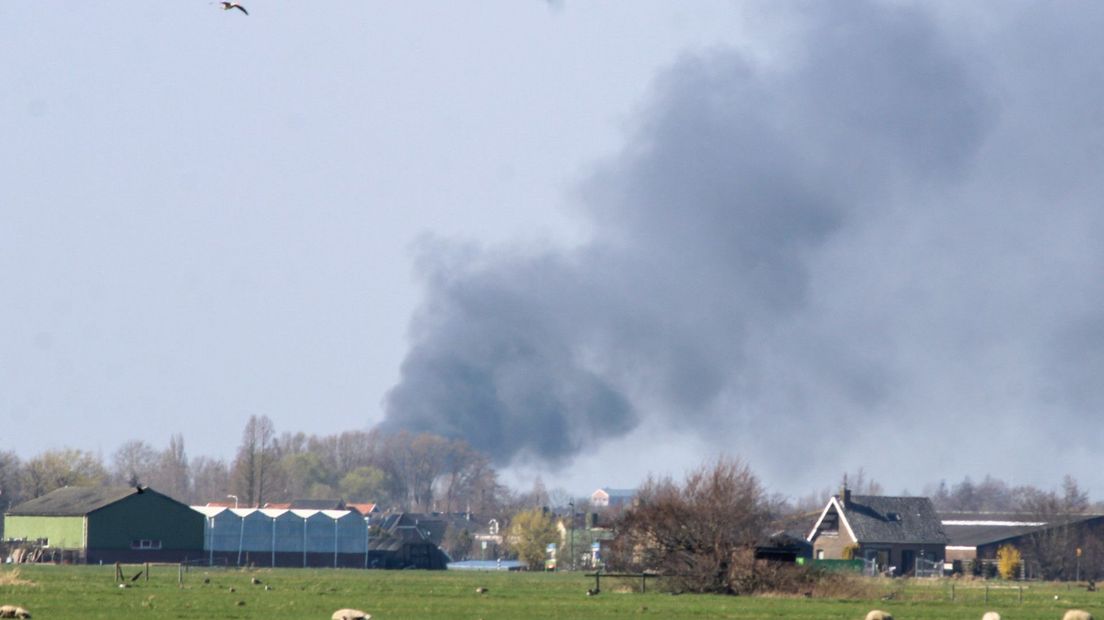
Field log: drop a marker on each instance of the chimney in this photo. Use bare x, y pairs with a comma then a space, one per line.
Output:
845, 495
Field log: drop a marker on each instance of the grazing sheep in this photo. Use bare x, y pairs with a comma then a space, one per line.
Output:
124, 585
877, 614
592, 591
232, 589
350, 614
481, 590
1077, 614
254, 581
991, 615
7, 611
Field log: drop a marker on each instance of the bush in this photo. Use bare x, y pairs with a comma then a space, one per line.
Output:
1008, 561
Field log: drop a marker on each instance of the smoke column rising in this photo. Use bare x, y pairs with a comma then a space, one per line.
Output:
882, 243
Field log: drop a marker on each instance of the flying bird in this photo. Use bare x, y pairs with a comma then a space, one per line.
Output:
226, 6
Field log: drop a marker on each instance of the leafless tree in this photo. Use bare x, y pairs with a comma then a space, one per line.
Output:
210, 480
697, 531
133, 462
253, 466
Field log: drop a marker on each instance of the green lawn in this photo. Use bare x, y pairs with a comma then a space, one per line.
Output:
90, 592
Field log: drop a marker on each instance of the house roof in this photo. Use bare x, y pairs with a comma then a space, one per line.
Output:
363, 508
971, 529
884, 519
73, 501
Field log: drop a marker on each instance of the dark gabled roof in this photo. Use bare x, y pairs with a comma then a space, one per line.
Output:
971, 529
430, 526
72, 501
880, 519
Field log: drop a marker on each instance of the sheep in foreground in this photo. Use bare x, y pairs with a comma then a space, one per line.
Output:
991, 615
350, 614
12, 611
878, 614
1077, 614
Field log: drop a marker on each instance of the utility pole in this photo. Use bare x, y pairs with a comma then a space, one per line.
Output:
571, 505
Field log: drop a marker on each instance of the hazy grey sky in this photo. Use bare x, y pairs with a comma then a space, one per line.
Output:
597, 238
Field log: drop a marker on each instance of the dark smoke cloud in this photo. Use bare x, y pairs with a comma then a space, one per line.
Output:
882, 243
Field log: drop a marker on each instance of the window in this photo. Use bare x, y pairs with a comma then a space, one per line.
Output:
145, 543
820, 554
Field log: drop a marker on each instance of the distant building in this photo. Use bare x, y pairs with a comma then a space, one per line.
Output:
612, 498
976, 536
364, 509
297, 537
107, 524
892, 533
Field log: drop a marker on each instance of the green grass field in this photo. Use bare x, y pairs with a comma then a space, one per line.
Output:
91, 592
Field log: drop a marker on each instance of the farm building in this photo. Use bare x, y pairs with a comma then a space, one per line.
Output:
318, 538
107, 524
895, 534
975, 537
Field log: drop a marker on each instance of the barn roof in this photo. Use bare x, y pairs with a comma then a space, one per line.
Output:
73, 501
971, 529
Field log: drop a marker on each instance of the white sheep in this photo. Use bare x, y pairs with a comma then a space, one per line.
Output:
991, 615
1077, 614
877, 614
350, 614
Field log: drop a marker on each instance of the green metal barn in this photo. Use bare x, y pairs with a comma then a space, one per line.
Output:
107, 524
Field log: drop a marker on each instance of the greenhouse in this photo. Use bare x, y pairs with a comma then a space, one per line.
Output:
282, 537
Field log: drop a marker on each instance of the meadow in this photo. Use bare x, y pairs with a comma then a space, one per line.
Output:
91, 592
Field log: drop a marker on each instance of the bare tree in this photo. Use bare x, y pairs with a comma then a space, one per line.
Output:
133, 462
417, 461
172, 476
696, 531
256, 456
1053, 550
210, 480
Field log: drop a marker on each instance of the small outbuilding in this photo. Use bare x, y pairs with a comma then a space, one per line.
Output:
108, 524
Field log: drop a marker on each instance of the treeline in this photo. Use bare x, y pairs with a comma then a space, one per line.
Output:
991, 494
404, 471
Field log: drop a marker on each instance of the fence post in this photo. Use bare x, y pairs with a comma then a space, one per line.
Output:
952, 591
643, 583
986, 593
147, 571
180, 575
1021, 594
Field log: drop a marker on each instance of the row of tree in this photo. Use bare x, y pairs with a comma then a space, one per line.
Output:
419, 472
